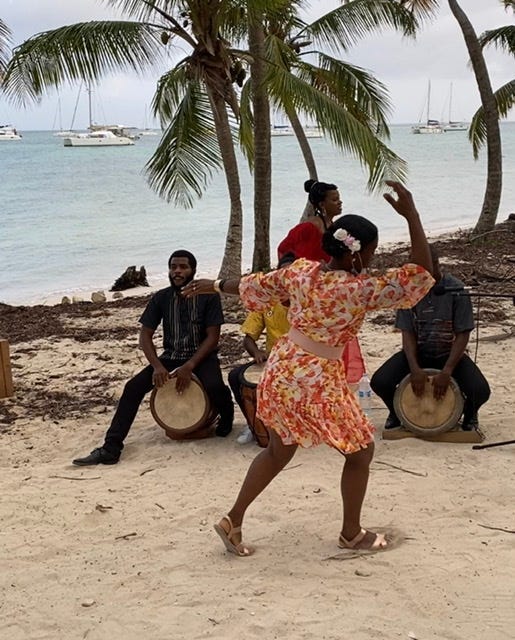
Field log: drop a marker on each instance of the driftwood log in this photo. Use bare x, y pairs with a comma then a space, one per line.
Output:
131, 278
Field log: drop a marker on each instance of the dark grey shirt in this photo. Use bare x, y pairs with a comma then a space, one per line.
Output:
436, 319
185, 320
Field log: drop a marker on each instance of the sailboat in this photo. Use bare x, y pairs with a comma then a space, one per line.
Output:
454, 125
430, 126
99, 135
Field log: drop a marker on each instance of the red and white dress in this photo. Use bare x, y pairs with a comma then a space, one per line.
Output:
305, 398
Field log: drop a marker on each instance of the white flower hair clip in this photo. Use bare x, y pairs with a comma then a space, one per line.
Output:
349, 241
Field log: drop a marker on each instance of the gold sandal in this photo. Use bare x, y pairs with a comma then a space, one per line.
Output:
378, 544
238, 549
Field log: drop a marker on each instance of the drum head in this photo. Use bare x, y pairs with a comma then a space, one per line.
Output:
251, 374
180, 413
424, 415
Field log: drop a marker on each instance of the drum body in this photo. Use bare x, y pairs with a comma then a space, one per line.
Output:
185, 416
424, 415
249, 378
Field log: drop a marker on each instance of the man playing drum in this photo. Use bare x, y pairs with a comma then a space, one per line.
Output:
274, 324
435, 334
191, 331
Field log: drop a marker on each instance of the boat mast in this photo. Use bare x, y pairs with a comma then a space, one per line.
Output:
428, 98
450, 103
89, 105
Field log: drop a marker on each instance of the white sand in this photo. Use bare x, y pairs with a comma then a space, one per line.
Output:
128, 551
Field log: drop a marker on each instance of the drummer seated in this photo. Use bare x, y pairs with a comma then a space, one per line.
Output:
274, 324
191, 331
435, 334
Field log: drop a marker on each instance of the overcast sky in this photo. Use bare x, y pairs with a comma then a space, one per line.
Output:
404, 66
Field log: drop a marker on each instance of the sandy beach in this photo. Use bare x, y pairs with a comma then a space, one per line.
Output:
129, 550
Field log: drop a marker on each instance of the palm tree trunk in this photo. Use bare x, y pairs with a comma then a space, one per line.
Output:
262, 145
492, 197
307, 154
231, 262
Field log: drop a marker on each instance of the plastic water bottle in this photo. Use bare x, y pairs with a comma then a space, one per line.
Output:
365, 393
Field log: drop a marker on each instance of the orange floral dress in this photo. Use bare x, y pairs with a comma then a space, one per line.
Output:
305, 398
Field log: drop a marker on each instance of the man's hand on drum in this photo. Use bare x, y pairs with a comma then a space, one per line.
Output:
440, 384
260, 356
418, 380
160, 376
183, 377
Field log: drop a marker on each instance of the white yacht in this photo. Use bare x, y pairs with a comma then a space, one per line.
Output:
8, 132
454, 125
100, 138
280, 130
429, 126
115, 135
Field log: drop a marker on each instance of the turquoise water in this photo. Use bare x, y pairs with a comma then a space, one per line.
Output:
72, 220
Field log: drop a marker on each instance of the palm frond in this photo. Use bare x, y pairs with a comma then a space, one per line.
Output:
422, 9
359, 89
171, 88
85, 51
344, 26
505, 98
188, 154
246, 124
502, 38
356, 89
344, 129
5, 41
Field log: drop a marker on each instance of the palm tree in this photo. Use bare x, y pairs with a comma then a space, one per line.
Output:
345, 101
492, 197
196, 100
485, 124
504, 39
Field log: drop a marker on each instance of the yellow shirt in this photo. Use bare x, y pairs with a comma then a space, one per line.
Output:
274, 322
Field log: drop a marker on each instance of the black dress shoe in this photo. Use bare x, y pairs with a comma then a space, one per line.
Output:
392, 422
97, 456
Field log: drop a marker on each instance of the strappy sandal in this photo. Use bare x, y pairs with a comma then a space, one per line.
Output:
238, 549
378, 544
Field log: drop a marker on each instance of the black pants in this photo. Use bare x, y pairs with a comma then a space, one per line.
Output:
209, 374
234, 378
466, 373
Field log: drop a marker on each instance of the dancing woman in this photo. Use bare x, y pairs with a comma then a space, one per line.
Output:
303, 397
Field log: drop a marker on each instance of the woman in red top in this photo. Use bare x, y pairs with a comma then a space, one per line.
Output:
305, 241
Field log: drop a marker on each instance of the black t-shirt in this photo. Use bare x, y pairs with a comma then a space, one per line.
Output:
435, 320
184, 320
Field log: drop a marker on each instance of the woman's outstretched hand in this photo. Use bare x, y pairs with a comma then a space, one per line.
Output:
196, 287
404, 204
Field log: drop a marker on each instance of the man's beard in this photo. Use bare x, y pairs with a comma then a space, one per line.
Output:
181, 283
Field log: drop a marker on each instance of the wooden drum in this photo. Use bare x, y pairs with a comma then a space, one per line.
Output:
249, 378
424, 415
185, 416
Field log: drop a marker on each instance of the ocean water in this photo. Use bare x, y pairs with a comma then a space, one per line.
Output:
72, 220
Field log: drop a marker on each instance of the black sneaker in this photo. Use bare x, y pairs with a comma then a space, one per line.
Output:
471, 425
97, 456
392, 422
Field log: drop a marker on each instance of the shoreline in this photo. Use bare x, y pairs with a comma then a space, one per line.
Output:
83, 294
